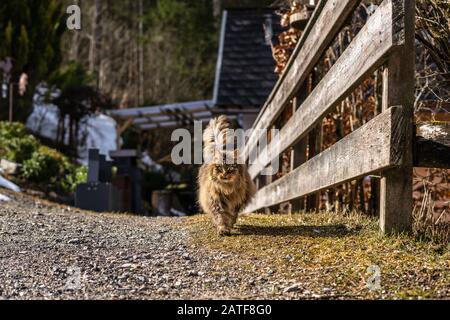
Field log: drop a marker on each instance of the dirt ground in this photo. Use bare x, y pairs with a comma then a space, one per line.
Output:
49, 251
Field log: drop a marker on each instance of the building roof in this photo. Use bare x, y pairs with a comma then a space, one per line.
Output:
173, 115
168, 115
245, 68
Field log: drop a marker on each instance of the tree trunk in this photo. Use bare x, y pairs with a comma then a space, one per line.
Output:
217, 6
141, 53
96, 37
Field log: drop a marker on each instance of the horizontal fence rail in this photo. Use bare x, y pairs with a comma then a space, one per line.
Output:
369, 149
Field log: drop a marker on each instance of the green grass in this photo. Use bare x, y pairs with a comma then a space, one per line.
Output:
326, 250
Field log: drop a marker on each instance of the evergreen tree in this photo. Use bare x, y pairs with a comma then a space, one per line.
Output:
30, 33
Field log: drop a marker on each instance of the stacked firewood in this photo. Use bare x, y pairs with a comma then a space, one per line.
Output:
287, 40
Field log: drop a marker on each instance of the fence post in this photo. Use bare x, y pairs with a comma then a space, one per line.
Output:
313, 200
398, 90
298, 155
300, 149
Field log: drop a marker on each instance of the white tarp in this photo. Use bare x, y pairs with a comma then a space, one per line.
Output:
96, 131
8, 185
4, 198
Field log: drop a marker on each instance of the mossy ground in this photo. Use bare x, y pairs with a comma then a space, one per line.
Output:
331, 253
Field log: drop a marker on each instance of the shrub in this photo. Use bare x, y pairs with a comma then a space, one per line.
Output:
48, 166
40, 164
15, 144
12, 130
76, 174
42, 168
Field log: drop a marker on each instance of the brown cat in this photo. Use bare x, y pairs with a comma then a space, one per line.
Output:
225, 187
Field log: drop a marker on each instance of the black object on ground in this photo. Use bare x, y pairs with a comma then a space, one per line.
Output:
102, 192
98, 193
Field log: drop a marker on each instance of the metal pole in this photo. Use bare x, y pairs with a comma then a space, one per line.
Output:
11, 91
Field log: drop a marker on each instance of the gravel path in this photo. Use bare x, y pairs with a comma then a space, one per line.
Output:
49, 251
53, 252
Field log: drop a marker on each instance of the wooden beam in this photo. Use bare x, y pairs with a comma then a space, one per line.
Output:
298, 154
432, 146
121, 127
187, 107
369, 149
298, 157
431, 154
325, 23
398, 89
437, 132
314, 138
364, 54
169, 117
173, 124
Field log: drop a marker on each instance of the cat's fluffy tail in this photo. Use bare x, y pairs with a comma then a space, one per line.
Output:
214, 138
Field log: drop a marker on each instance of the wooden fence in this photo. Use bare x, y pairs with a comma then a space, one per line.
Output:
383, 146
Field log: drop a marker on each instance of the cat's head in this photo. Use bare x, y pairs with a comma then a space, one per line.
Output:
226, 168
225, 173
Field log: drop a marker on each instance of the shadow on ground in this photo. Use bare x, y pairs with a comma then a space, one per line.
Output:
331, 231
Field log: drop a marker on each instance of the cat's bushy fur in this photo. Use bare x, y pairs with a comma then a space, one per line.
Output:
225, 188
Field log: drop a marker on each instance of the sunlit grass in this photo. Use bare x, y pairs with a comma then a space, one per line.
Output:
334, 250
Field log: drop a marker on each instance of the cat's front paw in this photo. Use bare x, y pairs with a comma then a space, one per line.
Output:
224, 232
